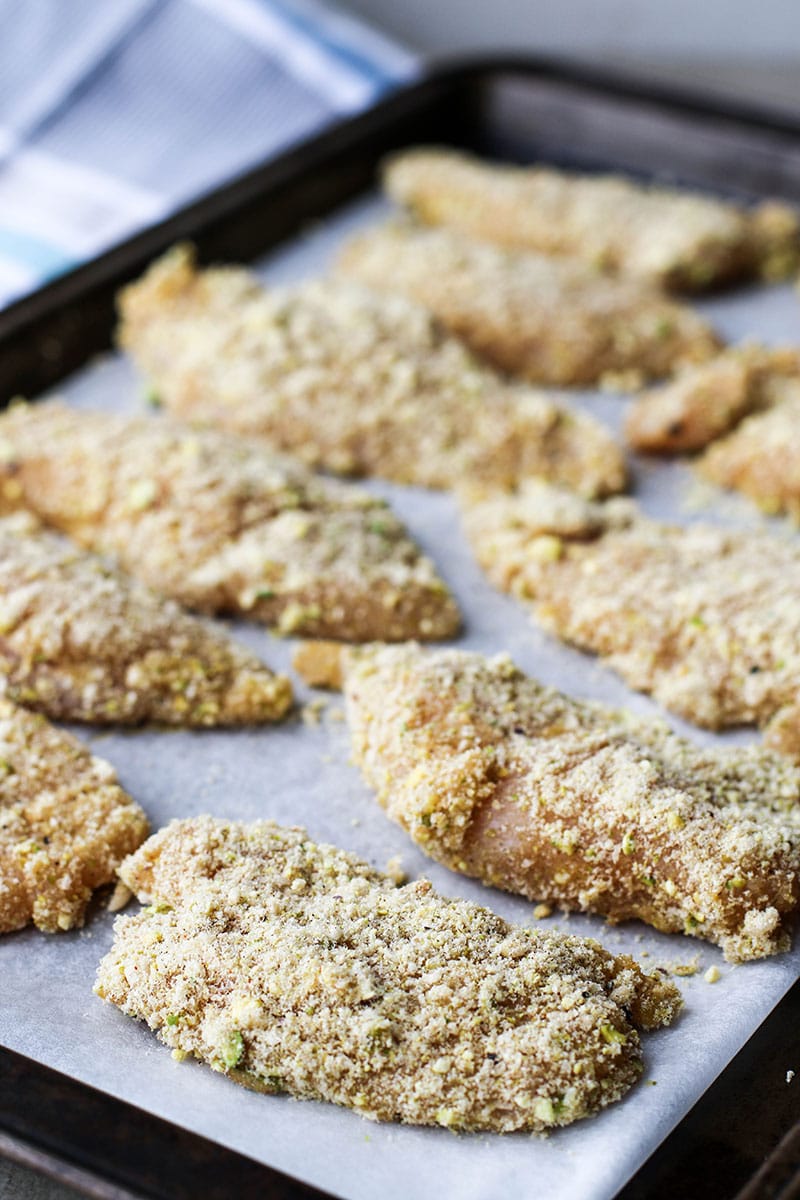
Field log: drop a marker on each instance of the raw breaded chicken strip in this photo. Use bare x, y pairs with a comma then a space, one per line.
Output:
82, 642
296, 967
550, 320
704, 402
761, 458
706, 619
676, 239
65, 824
496, 776
225, 526
351, 380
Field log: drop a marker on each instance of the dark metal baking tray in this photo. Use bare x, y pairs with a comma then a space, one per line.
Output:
741, 1135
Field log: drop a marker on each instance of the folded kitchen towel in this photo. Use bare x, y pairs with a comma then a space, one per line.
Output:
112, 114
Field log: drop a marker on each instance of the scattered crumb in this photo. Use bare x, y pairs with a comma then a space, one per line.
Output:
789, 1076
319, 664
541, 911
312, 712
712, 975
684, 969
394, 869
119, 897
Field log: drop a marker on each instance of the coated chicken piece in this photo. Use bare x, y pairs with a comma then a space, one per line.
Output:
550, 320
223, 525
80, 641
496, 776
295, 967
352, 380
65, 824
706, 619
677, 239
706, 401
761, 457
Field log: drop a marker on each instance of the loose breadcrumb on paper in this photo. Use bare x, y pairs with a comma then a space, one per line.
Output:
574, 804
677, 239
319, 663
685, 970
311, 713
549, 320
393, 1001
223, 525
706, 619
352, 380
65, 824
81, 641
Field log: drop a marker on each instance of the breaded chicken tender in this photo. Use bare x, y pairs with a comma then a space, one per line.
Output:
80, 641
65, 824
676, 239
706, 401
761, 458
706, 619
295, 967
351, 380
225, 526
496, 776
550, 320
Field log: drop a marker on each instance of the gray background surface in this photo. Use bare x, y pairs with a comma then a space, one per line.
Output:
735, 47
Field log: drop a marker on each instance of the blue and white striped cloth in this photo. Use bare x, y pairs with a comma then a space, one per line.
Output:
115, 112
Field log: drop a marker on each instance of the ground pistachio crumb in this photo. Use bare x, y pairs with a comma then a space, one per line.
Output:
506, 780
392, 1000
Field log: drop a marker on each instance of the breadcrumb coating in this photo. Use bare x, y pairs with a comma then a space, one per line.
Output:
65, 824
296, 967
550, 320
498, 777
80, 641
224, 526
761, 458
351, 380
706, 619
706, 401
676, 239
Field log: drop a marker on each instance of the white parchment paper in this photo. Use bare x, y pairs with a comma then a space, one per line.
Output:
300, 774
